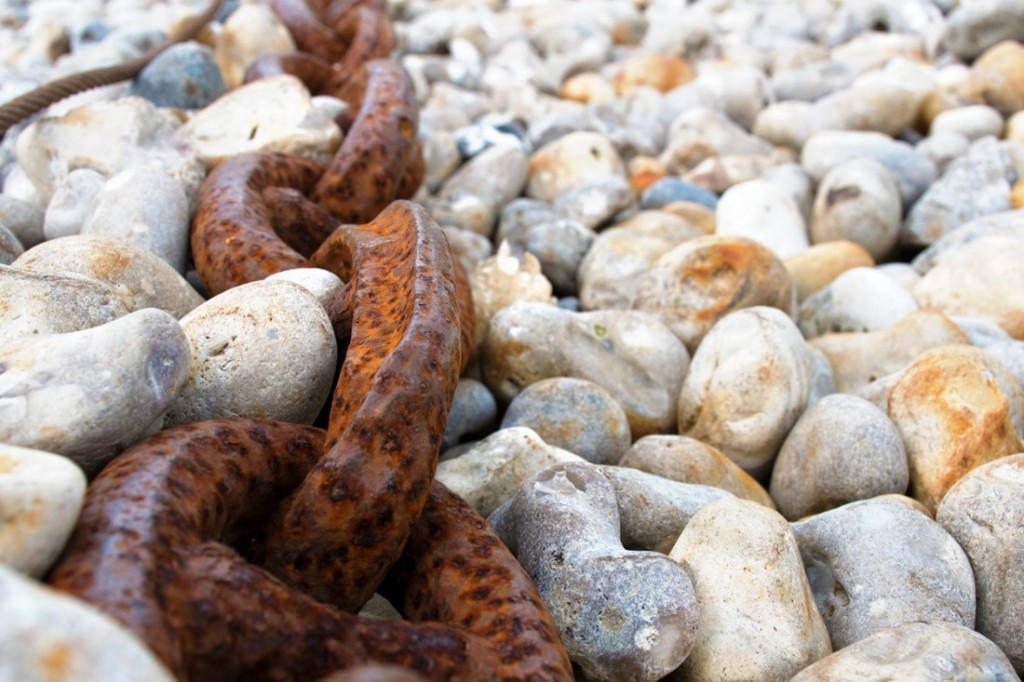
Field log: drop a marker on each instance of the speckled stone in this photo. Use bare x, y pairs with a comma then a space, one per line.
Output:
858, 558
858, 201
474, 411
573, 414
184, 76
858, 300
574, 161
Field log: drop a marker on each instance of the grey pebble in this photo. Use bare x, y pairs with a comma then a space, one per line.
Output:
73, 202
474, 412
23, 219
669, 190
10, 247
184, 76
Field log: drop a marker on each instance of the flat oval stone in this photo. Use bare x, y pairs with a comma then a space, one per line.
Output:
858, 300
858, 201
816, 267
926, 652
859, 558
496, 176
89, 394
758, 618
699, 282
630, 354
842, 449
982, 512
41, 495
764, 212
953, 416
263, 349
183, 76
141, 278
973, 122
749, 382
688, 460
573, 161
249, 32
573, 414
35, 303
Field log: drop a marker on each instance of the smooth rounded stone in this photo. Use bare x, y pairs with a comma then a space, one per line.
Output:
141, 278
748, 383
263, 349
858, 558
323, 284
184, 76
558, 243
490, 472
596, 203
688, 460
587, 87
816, 267
623, 615
108, 137
719, 173
672, 189
251, 31
468, 248
980, 332
858, 201
147, 208
73, 202
857, 359
982, 512
630, 354
89, 394
33, 303
10, 247
924, 652
1011, 353
956, 407
699, 282
576, 160
241, 121
740, 91
943, 148
474, 411
901, 273
1005, 224
887, 108
812, 80
997, 75
635, 123
795, 181
972, 122
620, 257
47, 635
858, 300
913, 170
442, 158
955, 285
574, 414
701, 132
823, 380
495, 177
662, 72
500, 281
762, 211
758, 618
842, 449
41, 495
23, 219
974, 185
780, 123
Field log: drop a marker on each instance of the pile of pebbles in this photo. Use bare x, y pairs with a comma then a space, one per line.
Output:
747, 398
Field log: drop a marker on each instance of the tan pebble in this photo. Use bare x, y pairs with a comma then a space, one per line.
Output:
816, 267
644, 171
999, 76
500, 281
587, 87
953, 416
251, 31
698, 214
1014, 129
571, 162
1017, 194
661, 71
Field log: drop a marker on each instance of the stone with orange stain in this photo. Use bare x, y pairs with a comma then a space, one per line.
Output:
954, 414
644, 171
688, 460
816, 267
702, 280
47, 635
40, 497
663, 72
749, 382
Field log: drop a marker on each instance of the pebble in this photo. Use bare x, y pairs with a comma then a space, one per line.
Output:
23, 219
623, 615
577, 160
982, 512
51, 303
596, 203
492, 178
757, 613
662, 72
688, 460
89, 394
630, 354
816, 267
10, 247
842, 449
943, 148
241, 122
762, 211
752, 362
857, 300
858, 201
929, 652
73, 203
41, 494
141, 278
558, 243
573, 414
249, 32
263, 349
474, 411
972, 122
80, 643
672, 189
857, 557
696, 284
323, 284
185, 76
956, 408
